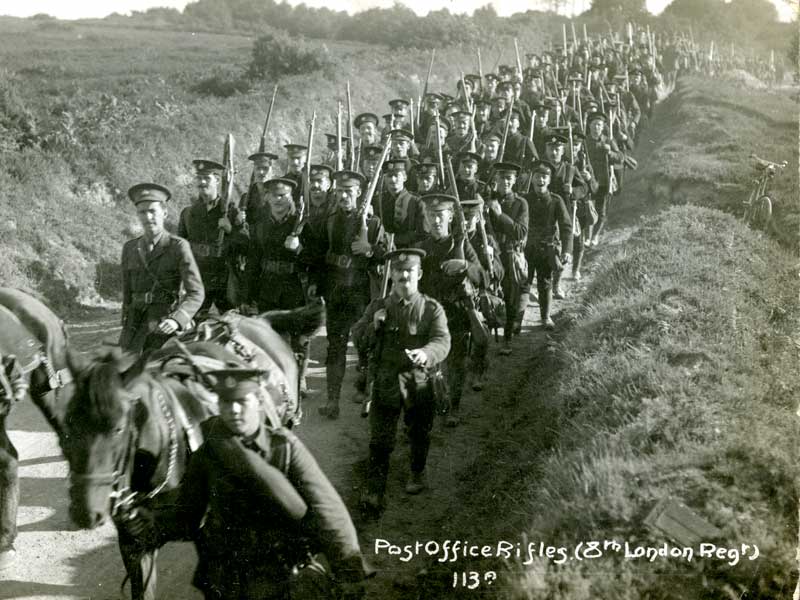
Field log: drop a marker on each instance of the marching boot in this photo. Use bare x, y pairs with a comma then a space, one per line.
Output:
303, 362
331, 407
558, 293
361, 381
544, 310
417, 483
596, 234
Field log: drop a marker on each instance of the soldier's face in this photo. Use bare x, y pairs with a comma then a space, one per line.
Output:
280, 202
319, 190
482, 114
405, 279
400, 147
151, 216
513, 124
506, 92
468, 169
369, 168
207, 185
346, 197
242, 415
541, 179
504, 182
297, 162
425, 182
471, 217
596, 127
462, 126
263, 171
439, 222
369, 132
554, 152
492, 148
395, 180
542, 118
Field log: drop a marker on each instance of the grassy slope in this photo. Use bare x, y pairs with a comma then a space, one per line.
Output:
115, 106
678, 378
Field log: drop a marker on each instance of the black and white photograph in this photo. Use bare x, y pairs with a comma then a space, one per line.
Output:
399, 300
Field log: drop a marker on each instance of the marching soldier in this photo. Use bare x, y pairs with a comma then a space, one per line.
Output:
154, 268
451, 280
369, 161
400, 211
426, 178
259, 507
508, 215
354, 245
297, 155
603, 154
200, 225
253, 201
314, 239
408, 335
332, 145
549, 245
585, 203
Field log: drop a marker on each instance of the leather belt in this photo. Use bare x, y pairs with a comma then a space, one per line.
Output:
342, 261
157, 297
203, 250
278, 266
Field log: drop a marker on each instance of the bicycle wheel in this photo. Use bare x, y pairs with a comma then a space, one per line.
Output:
749, 205
762, 213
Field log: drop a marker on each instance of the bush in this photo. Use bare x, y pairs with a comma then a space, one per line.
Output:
277, 54
222, 85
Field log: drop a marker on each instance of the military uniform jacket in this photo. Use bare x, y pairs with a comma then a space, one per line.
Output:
246, 544
254, 203
566, 173
497, 265
268, 259
420, 323
345, 269
199, 227
601, 160
519, 150
511, 225
314, 242
410, 229
550, 223
151, 285
299, 179
450, 290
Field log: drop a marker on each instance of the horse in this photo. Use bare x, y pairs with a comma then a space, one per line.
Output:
33, 338
133, 422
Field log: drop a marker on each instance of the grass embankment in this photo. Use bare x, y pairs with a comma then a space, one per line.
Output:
706, 132
86, 111
677, 378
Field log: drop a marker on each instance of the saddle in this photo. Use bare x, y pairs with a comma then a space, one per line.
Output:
17, 341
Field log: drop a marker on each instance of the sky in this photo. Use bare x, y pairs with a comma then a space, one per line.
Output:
80, 9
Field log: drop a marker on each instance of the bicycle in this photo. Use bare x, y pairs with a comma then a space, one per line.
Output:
758, 206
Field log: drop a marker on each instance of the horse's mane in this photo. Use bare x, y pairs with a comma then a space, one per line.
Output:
97, 404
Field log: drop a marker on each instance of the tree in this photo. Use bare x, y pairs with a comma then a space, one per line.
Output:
619, 11
706, 11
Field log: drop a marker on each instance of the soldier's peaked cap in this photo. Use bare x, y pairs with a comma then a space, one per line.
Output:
597, 115
366, 118
405, 257
372, 152
202, 165
395, 164
475, 204
295, 148
426, 167
398, 102
461, 113
262, 156
332, 138
491, 77
349, 178
318, 170
272, 183
554, 139
506, 167
543, 165
401, 134
438, 202
149, 192
462, 156
232, 384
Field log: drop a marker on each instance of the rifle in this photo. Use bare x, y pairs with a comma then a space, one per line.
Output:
427, 81
502, 151
350, 129
467, 99
574, 39
572, 175
262, 144
480, 69
377, 348
373, 185
305, 200
339, 157
519, 62
411, 120
439, 154
227, 186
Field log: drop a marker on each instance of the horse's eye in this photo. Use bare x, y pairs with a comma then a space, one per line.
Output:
119, 431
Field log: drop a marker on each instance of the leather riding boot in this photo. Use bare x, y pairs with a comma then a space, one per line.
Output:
544, 309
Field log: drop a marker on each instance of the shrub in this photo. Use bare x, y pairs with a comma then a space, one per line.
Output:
222, 84
276, 54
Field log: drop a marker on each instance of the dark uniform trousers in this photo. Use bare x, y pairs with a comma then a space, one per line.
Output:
199, 227
511, 231
454, 294
550, 234
602, 162
348, 292
151, 286
398, 386
247, 548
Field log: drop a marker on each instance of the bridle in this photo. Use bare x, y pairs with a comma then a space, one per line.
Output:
121, 496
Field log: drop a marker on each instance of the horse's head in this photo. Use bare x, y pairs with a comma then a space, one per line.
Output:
98, 434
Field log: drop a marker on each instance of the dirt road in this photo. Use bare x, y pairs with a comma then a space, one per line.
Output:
57, 562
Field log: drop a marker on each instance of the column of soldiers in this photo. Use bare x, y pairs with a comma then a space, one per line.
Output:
402, 252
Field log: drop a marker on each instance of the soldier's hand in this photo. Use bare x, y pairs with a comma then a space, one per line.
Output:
587, 176
224, 224
139, 523
566, 259
379, 317
417, 357
494, 206
168, 326
606, 148
568, 189
292, 242
490, 253
454, 266
623, 137
361, 248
